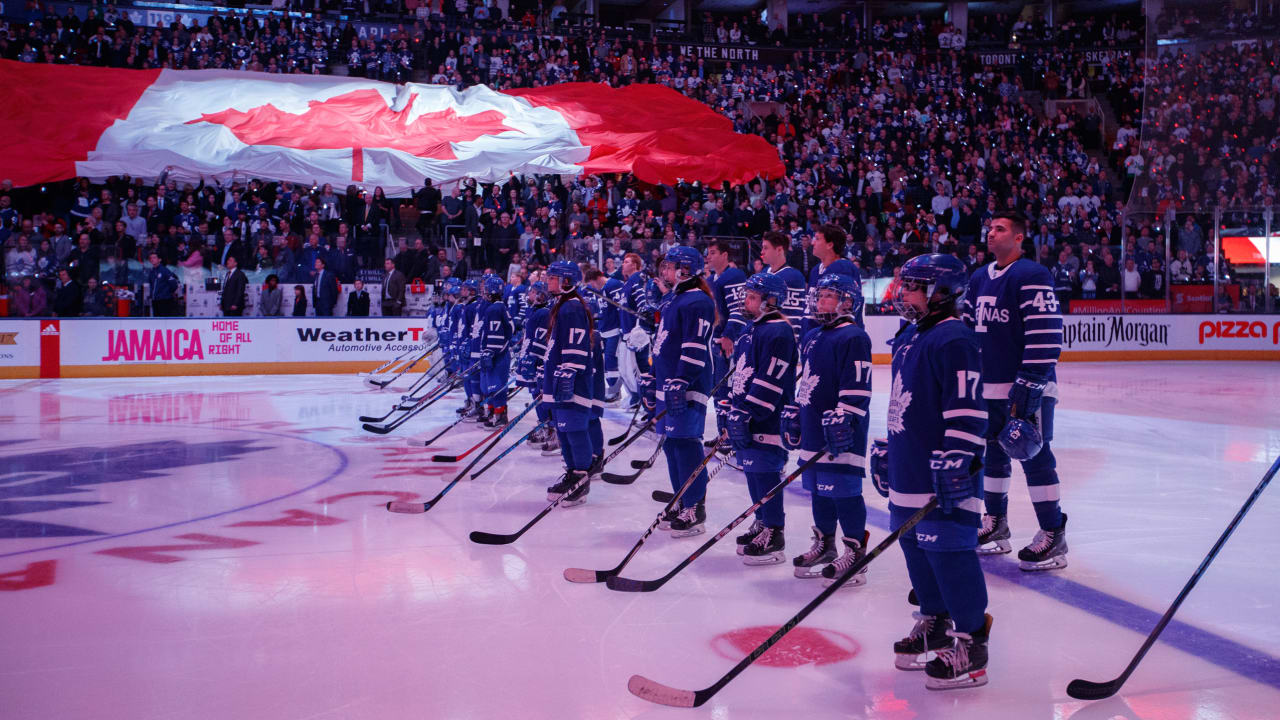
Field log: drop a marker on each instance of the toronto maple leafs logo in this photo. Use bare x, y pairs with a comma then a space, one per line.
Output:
805, 386
899, 399
741, 376
660, 339
475, 330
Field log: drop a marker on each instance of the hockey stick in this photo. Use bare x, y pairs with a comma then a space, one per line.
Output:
399, 506
579, 575
656, 692
663, 496
414, 400
473, 448
504, 453
623, 436
640, 465
488, 538
457, 382
461, 418
407, 367
623, 584
1088, 690
399, 360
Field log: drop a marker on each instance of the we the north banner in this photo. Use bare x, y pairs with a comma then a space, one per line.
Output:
69, 121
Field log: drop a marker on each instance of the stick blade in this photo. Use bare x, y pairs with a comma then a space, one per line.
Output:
579, 575
487, 538
655, 692
641, 464
663, 496
1086, 690
619, 479
369, 419
408, 508
623, 584
375, 429
444, 458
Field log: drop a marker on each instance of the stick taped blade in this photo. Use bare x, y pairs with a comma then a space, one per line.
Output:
400, 506
622, 584
618, 479
444, 458
655, 692
485, 538
663, 496
1085, 690
375, 429
579, 575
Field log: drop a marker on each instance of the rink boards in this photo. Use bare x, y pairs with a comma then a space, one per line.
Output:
136, 347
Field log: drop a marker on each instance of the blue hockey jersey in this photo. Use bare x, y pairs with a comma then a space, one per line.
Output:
610, 315
495, 331
1015, 314
534, 345
840, 266
764, 376
569, 346
728, 289
475, 322
794, 306
635, 294
681, 349
514, 297
935, 403
835, 372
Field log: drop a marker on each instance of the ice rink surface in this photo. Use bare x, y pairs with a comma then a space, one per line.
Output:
218, 548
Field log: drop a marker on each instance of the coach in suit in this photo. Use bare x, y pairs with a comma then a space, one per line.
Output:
233, 289
392, 290
325, 290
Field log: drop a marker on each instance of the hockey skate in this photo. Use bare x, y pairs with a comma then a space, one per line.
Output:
964, 664
852, 554
915, 650
597, 468
479, 413
467, 407
691, 521
1048, 551
668, 517
496, 419
552, 445
564, 485
993, 536
823, 552
744, 538
766, 548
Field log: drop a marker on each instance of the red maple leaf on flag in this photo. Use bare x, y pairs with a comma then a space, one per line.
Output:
358, 120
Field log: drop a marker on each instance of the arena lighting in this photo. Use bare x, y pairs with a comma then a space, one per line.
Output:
1250, 250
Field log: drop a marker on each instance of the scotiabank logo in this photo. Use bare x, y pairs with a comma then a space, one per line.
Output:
1239, 329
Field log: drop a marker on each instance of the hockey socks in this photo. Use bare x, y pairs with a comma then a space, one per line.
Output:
575, 448
597, 436
683, 455
850, 512
770, 513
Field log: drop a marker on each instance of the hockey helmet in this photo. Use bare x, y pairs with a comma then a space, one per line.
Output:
1021, 439
848, 290
770, 287
569, 273
492, 285
942, 278
688, 262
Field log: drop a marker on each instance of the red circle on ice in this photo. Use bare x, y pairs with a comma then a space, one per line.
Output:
801, 646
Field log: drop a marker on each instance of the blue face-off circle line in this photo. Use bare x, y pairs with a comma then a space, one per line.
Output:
343, 462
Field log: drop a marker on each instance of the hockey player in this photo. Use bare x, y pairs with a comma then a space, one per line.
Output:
568, 380
833, 396
773, 252
936, 422
636, 325
828, 246
763, 381
443, 322
495, 358
727, 283
682, 379
610, 323
533, 352
468, 331
1012, 307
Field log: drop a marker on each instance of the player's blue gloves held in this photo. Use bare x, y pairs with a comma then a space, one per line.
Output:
648, 392
564, 380
674, 395
837, 430
791, 427
738, 424
486, 360
1024, 396
954, 477
879, 466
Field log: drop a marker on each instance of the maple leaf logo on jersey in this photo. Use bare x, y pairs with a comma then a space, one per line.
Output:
357, 120
805, 386
659, 339
899, 399
741, 376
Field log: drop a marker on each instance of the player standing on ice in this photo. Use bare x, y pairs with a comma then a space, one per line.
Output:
763, 380
1012, 307
829, 246
610, 324
475, 324
936, 422
726, 282
444, 322
773, 253
568, 380
468, 331
637, 324
833, 396
529, 368
495, 358
682, 380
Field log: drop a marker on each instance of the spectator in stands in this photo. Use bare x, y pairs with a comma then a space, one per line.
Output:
270, 302
324, 289
95, 300
234, 287
358, 301
299, 301
29, 298
67, 295
392, 290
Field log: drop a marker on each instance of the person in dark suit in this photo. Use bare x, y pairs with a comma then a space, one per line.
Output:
325, 290
366, 220
358, 301
392, 290
233, 289
67, 296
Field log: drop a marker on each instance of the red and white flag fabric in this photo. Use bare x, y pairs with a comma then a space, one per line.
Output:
67, 121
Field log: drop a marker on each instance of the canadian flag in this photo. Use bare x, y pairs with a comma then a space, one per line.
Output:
67, 121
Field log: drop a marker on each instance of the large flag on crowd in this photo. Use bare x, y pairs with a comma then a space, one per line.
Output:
66, 121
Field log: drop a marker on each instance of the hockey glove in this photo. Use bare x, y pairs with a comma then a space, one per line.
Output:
738, 425
1024, 396
880, 467
674, 395
953, 476
648, 392
486, 360
637, 339
564, 380
837, 430
791, 427
525, 367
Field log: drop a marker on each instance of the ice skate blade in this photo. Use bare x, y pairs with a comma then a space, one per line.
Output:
997, 547
695, 530
809, 573
550, 453
772, 558
977, 678
573, 503
912, 663
856, 581
552, 497
1056, 562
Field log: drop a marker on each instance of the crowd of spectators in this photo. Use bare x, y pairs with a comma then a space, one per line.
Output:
904, 145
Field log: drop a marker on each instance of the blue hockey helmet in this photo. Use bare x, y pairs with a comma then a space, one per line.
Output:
686, 259
452, 286
771, 288
569, 273
537, 293
473, 285
1021, 439
847, 289
492, 285
943, 279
